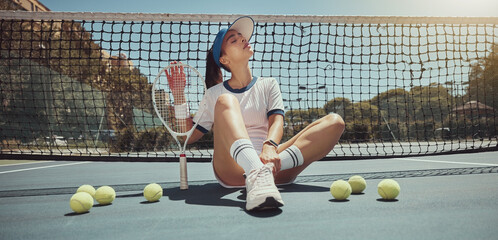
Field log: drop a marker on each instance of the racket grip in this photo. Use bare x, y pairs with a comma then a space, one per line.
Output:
183, 172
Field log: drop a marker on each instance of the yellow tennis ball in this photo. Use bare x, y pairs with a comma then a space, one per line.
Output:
153, 192
105, 195
340, 189
388, 189
81, 202
88, 189
358, 184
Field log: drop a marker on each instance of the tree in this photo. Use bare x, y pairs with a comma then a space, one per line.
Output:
337, 105
56, 78
297, 120
393, 104
430, 103
9, 5
483, 80
389, 94
124, 88
361, 121
393, 115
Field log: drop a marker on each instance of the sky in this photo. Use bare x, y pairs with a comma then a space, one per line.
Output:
286, 7
481, 8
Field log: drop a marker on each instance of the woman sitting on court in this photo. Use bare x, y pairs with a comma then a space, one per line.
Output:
246, 114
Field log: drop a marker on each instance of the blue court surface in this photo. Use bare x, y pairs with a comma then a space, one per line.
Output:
442, 197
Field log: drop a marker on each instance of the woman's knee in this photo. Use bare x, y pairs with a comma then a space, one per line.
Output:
226, 101
335, 122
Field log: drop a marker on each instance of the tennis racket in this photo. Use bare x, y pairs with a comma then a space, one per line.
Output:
177, 92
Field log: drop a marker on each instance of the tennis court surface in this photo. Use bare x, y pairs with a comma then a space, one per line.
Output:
442, 197
418, 95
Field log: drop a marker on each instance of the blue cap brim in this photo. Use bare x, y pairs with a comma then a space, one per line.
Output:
243, 25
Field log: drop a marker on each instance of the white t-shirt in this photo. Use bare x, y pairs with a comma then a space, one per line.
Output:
258, 101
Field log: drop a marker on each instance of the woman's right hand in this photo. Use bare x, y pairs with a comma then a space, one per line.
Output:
270, 155
177, 81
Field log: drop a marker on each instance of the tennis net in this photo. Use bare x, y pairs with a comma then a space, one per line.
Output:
79, 84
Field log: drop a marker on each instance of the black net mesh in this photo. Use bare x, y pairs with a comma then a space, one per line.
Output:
82, 88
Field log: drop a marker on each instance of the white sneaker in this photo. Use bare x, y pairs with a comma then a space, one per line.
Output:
261, 190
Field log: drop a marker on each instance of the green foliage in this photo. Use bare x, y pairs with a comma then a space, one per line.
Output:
433, 101
47, 103
9, 5
206, 142
360, 119
337, 105
466, 127
126, 88
297, 120
145, 141
362, 112
152, 139
68, 49
483, 80
391, 95
125, 138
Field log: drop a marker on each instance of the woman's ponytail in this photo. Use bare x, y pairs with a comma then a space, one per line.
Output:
213, 74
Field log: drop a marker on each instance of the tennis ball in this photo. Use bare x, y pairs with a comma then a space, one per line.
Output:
388, 189
153, 192
81, 202
340, 189
358, 184
88, 189
105, 195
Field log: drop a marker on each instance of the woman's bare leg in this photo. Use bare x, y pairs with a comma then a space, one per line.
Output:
315, 142
228, 127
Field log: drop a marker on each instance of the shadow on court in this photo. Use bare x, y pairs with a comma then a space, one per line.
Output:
213, 194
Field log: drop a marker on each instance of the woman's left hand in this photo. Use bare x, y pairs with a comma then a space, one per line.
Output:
270, 155
177, 81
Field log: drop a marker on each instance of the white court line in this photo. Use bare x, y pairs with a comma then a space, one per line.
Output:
35, 168
17, 164
435, 161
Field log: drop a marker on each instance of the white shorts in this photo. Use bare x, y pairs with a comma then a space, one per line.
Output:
223, 184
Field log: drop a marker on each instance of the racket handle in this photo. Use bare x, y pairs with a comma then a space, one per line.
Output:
183, 172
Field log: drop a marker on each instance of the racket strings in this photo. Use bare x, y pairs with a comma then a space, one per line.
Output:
180, 88
187, 85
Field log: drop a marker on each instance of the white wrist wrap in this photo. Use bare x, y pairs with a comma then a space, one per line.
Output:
181, 111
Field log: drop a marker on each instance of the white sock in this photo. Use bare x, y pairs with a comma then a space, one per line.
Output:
291, 158
243, 152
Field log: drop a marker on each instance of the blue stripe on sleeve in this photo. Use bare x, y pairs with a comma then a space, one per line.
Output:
275, 111
200, 128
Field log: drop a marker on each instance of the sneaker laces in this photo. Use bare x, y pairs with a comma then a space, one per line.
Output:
265, 175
